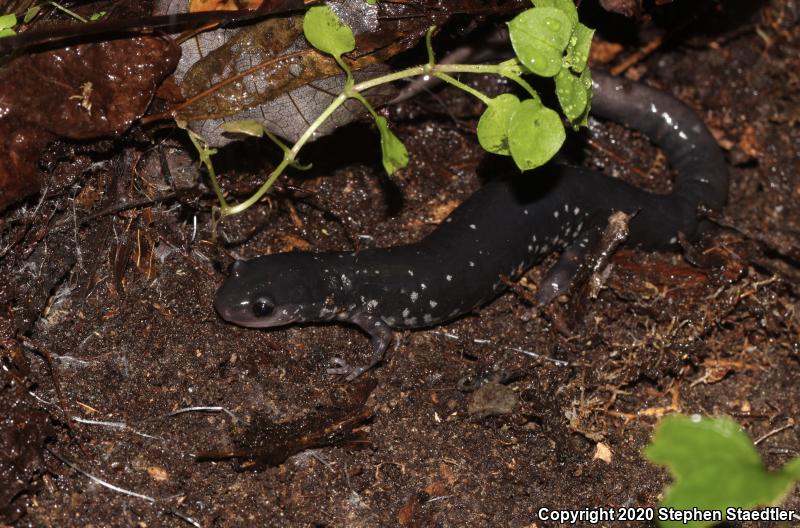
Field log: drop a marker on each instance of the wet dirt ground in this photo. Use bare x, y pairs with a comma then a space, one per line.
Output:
120, 297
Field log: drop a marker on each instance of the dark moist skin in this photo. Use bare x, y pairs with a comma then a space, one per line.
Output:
500, 231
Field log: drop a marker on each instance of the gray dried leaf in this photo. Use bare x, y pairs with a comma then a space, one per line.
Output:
274, 77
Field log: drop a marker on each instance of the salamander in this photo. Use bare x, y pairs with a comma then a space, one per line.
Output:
504, 228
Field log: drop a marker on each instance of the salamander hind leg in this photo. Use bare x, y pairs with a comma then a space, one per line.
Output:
560, 277
381, 336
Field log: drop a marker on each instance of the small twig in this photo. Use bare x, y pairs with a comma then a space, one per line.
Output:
205, 409
618, 158
637, 57
554, 361
48, 357
118, 208
102, 482
118, 489
115, 425
774, 432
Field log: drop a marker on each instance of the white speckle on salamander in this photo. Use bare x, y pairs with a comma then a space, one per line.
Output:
411, 272
673, 240
423, 286
372, 304
576, 211
449, 278
566, 208
410, 322
406, 313
454, 312
473, 226
427, 318
414, 295
555, 214
471, 264
433, 304
391, 321
530, 247
346, 282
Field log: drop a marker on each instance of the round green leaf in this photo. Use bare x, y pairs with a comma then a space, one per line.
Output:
565, 6
326, 32
573, 93
535, 134
714, 466
493, 124
579, 45
539, 37
31, 13
8, 21
394, 153
247, 127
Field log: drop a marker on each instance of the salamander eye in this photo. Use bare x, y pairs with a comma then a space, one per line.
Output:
263, 307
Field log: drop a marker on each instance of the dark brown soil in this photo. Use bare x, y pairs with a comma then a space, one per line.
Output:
122, 302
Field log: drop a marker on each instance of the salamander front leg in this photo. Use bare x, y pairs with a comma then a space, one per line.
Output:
381, 336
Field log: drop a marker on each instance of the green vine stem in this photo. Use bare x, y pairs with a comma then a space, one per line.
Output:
510, 69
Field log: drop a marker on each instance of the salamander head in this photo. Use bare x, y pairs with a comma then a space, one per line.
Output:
264, 292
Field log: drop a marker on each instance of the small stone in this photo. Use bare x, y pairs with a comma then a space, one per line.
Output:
492, 399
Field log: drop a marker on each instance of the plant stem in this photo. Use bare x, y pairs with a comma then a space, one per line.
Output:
354, 91
469, 89
73, 14
241, 206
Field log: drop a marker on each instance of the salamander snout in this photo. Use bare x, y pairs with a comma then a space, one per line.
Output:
253, 309
257, 296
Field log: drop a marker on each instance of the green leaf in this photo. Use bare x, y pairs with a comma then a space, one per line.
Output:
535, 134
793, 468
8, 21
579, 45
565, 6
573, 93
31, 13
493, 124
539, 37
395, 155
326, 32
248, 127
97, 16
715, 466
